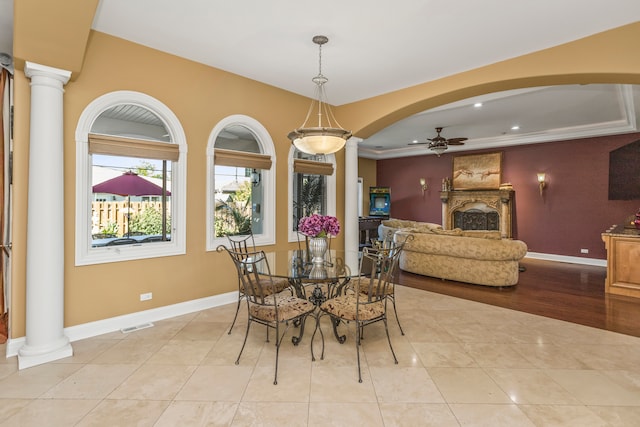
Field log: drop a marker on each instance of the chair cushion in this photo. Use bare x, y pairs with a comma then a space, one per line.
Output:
363, 286
344, 307
289, 307
279, 285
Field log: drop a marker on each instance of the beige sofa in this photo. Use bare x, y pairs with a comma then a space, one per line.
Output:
478, 257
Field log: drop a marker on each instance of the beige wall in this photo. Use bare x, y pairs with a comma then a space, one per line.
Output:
367, 171
201, 96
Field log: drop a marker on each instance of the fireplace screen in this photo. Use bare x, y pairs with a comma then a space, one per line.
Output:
474, 219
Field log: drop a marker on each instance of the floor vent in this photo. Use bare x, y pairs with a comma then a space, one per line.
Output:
136, 328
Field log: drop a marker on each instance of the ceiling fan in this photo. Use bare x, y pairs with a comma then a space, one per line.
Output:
439, 144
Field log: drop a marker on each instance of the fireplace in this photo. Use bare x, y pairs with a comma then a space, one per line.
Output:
478, 210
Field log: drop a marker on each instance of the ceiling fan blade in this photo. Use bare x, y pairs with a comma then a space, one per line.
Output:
456, 140
440, 141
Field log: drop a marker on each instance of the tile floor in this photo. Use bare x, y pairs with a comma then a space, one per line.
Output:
461, 363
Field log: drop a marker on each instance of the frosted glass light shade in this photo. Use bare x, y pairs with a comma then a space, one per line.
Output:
319, 140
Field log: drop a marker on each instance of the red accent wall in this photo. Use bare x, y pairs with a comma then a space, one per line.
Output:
570, 215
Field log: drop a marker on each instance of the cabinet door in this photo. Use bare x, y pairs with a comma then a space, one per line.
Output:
623, 268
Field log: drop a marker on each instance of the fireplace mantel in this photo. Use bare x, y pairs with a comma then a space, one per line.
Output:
499, 201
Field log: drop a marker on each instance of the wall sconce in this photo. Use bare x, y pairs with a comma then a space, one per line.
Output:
423, 185
541, 181
255, 177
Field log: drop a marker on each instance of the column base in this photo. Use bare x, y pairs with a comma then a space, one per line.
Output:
29, 356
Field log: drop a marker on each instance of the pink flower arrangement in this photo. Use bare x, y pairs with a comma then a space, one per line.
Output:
319, 225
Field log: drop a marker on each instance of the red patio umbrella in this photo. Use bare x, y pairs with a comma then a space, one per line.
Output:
131, 184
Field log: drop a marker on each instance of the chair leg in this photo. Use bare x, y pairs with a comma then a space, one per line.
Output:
236, 316
278, 341
244, 342
395, 311
386, 329
358, 331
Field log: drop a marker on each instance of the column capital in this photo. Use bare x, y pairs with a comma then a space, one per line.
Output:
31, 69
353, 142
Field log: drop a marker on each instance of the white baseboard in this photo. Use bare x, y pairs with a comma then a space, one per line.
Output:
99, 327
570, 259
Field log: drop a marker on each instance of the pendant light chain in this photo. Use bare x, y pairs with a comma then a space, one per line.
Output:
325, 139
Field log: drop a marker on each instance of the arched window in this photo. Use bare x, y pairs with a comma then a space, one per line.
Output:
130, 180
312, 187
240, 182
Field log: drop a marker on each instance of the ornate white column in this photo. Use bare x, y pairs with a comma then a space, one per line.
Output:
45, 340
444, 197
351, 232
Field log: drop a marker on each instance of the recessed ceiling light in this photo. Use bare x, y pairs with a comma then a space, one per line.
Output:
515, 127
478, 104
415, 141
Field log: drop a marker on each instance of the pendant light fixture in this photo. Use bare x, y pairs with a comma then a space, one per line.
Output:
327, 137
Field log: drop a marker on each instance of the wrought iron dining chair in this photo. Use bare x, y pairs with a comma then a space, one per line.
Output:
264, 306
388, 243
365, 301
244, 244
303, 241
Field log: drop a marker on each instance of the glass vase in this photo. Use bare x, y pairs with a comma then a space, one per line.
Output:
317, 249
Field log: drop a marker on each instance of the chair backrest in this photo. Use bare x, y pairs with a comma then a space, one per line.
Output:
303, 241
254, 272
378, 270
385, 241
243, 243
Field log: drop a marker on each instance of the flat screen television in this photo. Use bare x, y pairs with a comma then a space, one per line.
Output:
379, 201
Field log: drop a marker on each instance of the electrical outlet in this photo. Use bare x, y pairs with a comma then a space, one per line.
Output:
146, 297
584, 251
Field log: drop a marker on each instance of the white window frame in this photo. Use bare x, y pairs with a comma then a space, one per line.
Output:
331, 192
268, 179
84, 253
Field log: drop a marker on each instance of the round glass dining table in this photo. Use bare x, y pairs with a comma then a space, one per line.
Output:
307, 282
298, 268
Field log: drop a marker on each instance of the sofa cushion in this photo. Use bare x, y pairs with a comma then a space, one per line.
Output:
425, 227
483, 234
390, 226
465, 247
398, 223
454, 232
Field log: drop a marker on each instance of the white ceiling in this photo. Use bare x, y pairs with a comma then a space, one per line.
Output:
542, 114
382, 46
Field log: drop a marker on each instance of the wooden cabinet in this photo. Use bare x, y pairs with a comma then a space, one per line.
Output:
368, 229
623, 261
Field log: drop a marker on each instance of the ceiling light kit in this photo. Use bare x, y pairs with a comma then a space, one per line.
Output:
439, 144
324, 138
